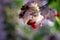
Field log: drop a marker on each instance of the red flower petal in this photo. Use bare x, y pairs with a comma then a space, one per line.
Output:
56, 15
34, 26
